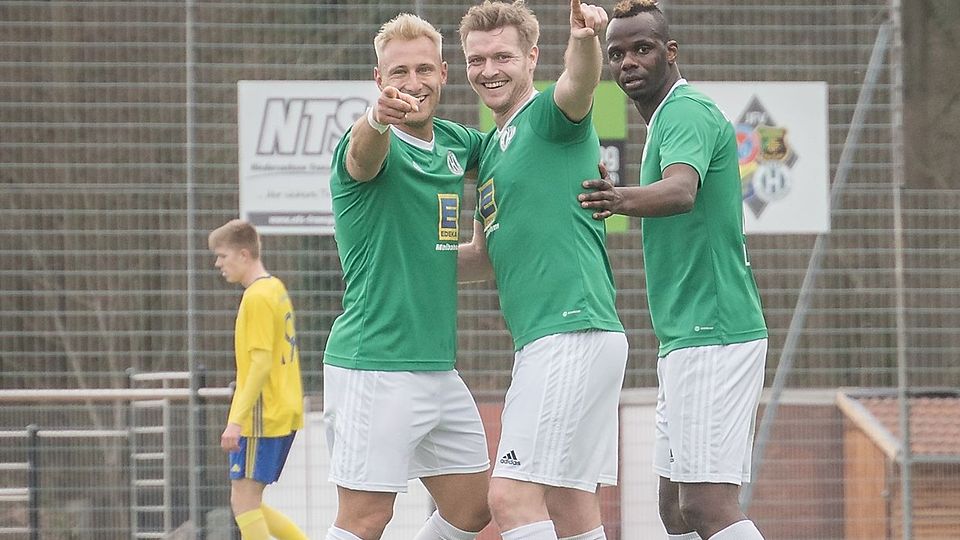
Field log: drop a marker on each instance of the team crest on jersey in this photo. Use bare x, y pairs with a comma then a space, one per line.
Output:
506, 135
448, 219
487, 205
453, 164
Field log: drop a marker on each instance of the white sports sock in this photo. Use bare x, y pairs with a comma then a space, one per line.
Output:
741, 530
336, 533
437, 528
541, 530
692, 535
596, 534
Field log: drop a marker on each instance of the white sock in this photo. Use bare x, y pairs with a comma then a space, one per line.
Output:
692, 535
541, 530
741, 530
437, 528
336, 533
596, 534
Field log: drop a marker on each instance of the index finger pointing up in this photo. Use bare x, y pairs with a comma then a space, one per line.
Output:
575, 8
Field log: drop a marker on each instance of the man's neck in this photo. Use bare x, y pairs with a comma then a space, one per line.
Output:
648, 107
256, 272
501, 119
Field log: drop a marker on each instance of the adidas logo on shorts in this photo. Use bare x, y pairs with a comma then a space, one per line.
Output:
510, 458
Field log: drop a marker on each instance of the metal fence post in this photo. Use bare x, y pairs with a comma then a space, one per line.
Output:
201, 428
33, 480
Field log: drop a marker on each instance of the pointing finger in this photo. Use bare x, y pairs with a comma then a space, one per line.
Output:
413, 102
576, 10
390, 92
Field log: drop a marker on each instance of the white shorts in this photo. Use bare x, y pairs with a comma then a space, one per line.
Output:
387, 427
707, 411
561, 417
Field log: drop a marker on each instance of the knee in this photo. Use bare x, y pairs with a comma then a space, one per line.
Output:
480, 518
243, 499
501, 502
693, 514
473, 520
710, 511
672, 516
470, 516
367, 525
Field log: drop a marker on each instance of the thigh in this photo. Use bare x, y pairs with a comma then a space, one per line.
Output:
456, 443
372, 427
706, 412
560, 420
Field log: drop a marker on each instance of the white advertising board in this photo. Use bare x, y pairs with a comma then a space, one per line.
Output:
782, 144
288, 131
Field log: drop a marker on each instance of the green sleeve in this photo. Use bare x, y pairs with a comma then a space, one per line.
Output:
688, 135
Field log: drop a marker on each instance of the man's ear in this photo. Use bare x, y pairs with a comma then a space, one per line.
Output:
673, 50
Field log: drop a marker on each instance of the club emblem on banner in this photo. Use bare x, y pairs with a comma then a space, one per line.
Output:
766, 158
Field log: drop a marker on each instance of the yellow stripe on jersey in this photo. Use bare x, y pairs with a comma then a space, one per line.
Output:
258, 417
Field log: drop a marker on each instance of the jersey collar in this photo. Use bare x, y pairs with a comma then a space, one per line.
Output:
515, 113
653, 117
413, 141
680, 82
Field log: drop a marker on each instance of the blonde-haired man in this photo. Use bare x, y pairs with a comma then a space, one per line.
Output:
267, 407
394, 406
560, 427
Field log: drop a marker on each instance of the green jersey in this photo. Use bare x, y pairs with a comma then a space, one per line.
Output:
397, 237
700, 286
548, 254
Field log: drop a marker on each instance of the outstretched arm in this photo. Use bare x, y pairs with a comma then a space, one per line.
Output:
583, 61
674, 194
370, 138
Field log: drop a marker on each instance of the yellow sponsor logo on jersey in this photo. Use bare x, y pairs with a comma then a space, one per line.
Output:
448, 222
487, 203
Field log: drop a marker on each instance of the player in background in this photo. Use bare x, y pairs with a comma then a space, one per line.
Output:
560, 421
395, 408
267, 406
702, 295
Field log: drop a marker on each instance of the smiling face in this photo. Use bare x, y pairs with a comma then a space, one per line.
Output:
499, 69
414, 67
641, 60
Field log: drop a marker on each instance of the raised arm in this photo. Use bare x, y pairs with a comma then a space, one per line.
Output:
370, 136
473, 263
583, 61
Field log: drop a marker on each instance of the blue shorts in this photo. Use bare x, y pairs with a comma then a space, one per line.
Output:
260, 458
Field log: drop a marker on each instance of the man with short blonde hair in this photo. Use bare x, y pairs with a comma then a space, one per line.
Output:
395, 407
